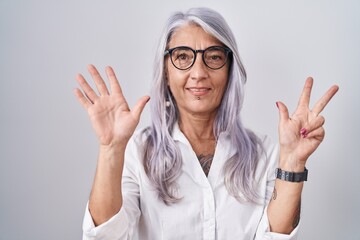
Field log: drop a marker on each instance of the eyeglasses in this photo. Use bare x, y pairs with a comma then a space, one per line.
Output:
183, 58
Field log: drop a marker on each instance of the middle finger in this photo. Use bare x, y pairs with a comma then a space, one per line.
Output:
99, 82
321, 104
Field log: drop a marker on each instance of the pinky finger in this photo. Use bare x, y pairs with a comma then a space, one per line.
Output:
82, 99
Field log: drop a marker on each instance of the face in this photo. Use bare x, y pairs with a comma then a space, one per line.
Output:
199, 89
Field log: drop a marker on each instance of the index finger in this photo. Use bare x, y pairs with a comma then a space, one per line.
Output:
324, 100
306, 92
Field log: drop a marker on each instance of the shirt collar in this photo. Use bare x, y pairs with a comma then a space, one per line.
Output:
178, 135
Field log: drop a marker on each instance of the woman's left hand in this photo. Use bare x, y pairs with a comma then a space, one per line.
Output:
301, 133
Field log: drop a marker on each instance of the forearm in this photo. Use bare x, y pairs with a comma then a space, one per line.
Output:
284, 207
106, 196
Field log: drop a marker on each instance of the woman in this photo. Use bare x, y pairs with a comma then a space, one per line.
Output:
196, 172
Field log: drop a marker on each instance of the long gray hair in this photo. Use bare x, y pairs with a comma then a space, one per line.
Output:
162, 158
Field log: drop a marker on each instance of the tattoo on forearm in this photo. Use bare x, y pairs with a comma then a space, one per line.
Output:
297, 216
274, 195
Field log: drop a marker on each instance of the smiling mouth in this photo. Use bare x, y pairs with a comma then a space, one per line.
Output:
199, 91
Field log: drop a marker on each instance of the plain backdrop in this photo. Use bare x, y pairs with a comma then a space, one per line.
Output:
48, 149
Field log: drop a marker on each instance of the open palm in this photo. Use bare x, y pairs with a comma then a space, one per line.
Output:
110, 115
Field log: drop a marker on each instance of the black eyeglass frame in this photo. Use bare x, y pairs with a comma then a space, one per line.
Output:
226, 49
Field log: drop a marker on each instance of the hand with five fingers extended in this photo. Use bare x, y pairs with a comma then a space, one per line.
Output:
301, 133
110, 115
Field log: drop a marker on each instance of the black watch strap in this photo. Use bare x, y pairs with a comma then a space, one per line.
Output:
291, 176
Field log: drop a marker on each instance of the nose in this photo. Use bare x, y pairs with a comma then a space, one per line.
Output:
199, 70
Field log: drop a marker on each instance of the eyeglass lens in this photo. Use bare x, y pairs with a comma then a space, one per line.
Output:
213, 57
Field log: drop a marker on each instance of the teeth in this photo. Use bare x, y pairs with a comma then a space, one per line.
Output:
199, 89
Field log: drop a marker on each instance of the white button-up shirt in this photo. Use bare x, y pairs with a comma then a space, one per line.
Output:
206, 210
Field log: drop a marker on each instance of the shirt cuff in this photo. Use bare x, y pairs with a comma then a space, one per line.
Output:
114, 228
263, 231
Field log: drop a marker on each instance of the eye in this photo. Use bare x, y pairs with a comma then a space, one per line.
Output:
214, 56
182, 56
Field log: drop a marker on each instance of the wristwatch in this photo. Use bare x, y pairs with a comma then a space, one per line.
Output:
291, 176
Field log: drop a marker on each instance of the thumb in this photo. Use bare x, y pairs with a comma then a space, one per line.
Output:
283, 111
139, 106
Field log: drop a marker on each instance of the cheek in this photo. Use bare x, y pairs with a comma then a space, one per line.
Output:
222, 82
176, 79
220, 93
173, 85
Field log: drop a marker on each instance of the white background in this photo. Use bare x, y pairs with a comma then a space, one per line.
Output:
48, 150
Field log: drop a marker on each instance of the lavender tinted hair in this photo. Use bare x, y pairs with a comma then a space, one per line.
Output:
162, 158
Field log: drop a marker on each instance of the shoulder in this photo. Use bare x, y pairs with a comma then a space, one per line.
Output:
264, 144
134, 152
268, 144
139, 138
268, 153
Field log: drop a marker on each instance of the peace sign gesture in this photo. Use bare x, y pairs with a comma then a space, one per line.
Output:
301, 133
109, 113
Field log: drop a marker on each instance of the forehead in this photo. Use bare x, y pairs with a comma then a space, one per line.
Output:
194, 36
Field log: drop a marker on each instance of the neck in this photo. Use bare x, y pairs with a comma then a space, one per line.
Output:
197, 127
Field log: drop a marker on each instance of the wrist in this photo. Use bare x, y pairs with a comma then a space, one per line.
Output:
292, 167
113, 148
111, 154
291, 164
291, 176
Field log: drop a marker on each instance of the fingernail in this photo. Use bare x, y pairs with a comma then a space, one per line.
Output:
303, 131
277, 104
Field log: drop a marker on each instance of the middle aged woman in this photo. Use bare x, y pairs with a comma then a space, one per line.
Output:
196, 172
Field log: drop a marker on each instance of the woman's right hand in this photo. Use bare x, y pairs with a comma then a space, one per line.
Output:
110, 115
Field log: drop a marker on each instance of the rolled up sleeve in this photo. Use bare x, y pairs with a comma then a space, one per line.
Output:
115, 228
263, 231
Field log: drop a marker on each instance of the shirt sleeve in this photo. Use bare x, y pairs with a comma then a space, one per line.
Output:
114, 228
123, 225
263, 230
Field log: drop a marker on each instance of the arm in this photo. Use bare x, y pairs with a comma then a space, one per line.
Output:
106, 195
299, 137
114, 123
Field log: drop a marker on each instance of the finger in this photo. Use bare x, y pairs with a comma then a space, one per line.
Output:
99, 82
82, 99
321, 104
89, 92
114, 83
316, 123
139, 106
306, 92
318, 134
283, 111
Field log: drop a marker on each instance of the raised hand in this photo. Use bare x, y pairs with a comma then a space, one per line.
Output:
301, 133
113, 121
